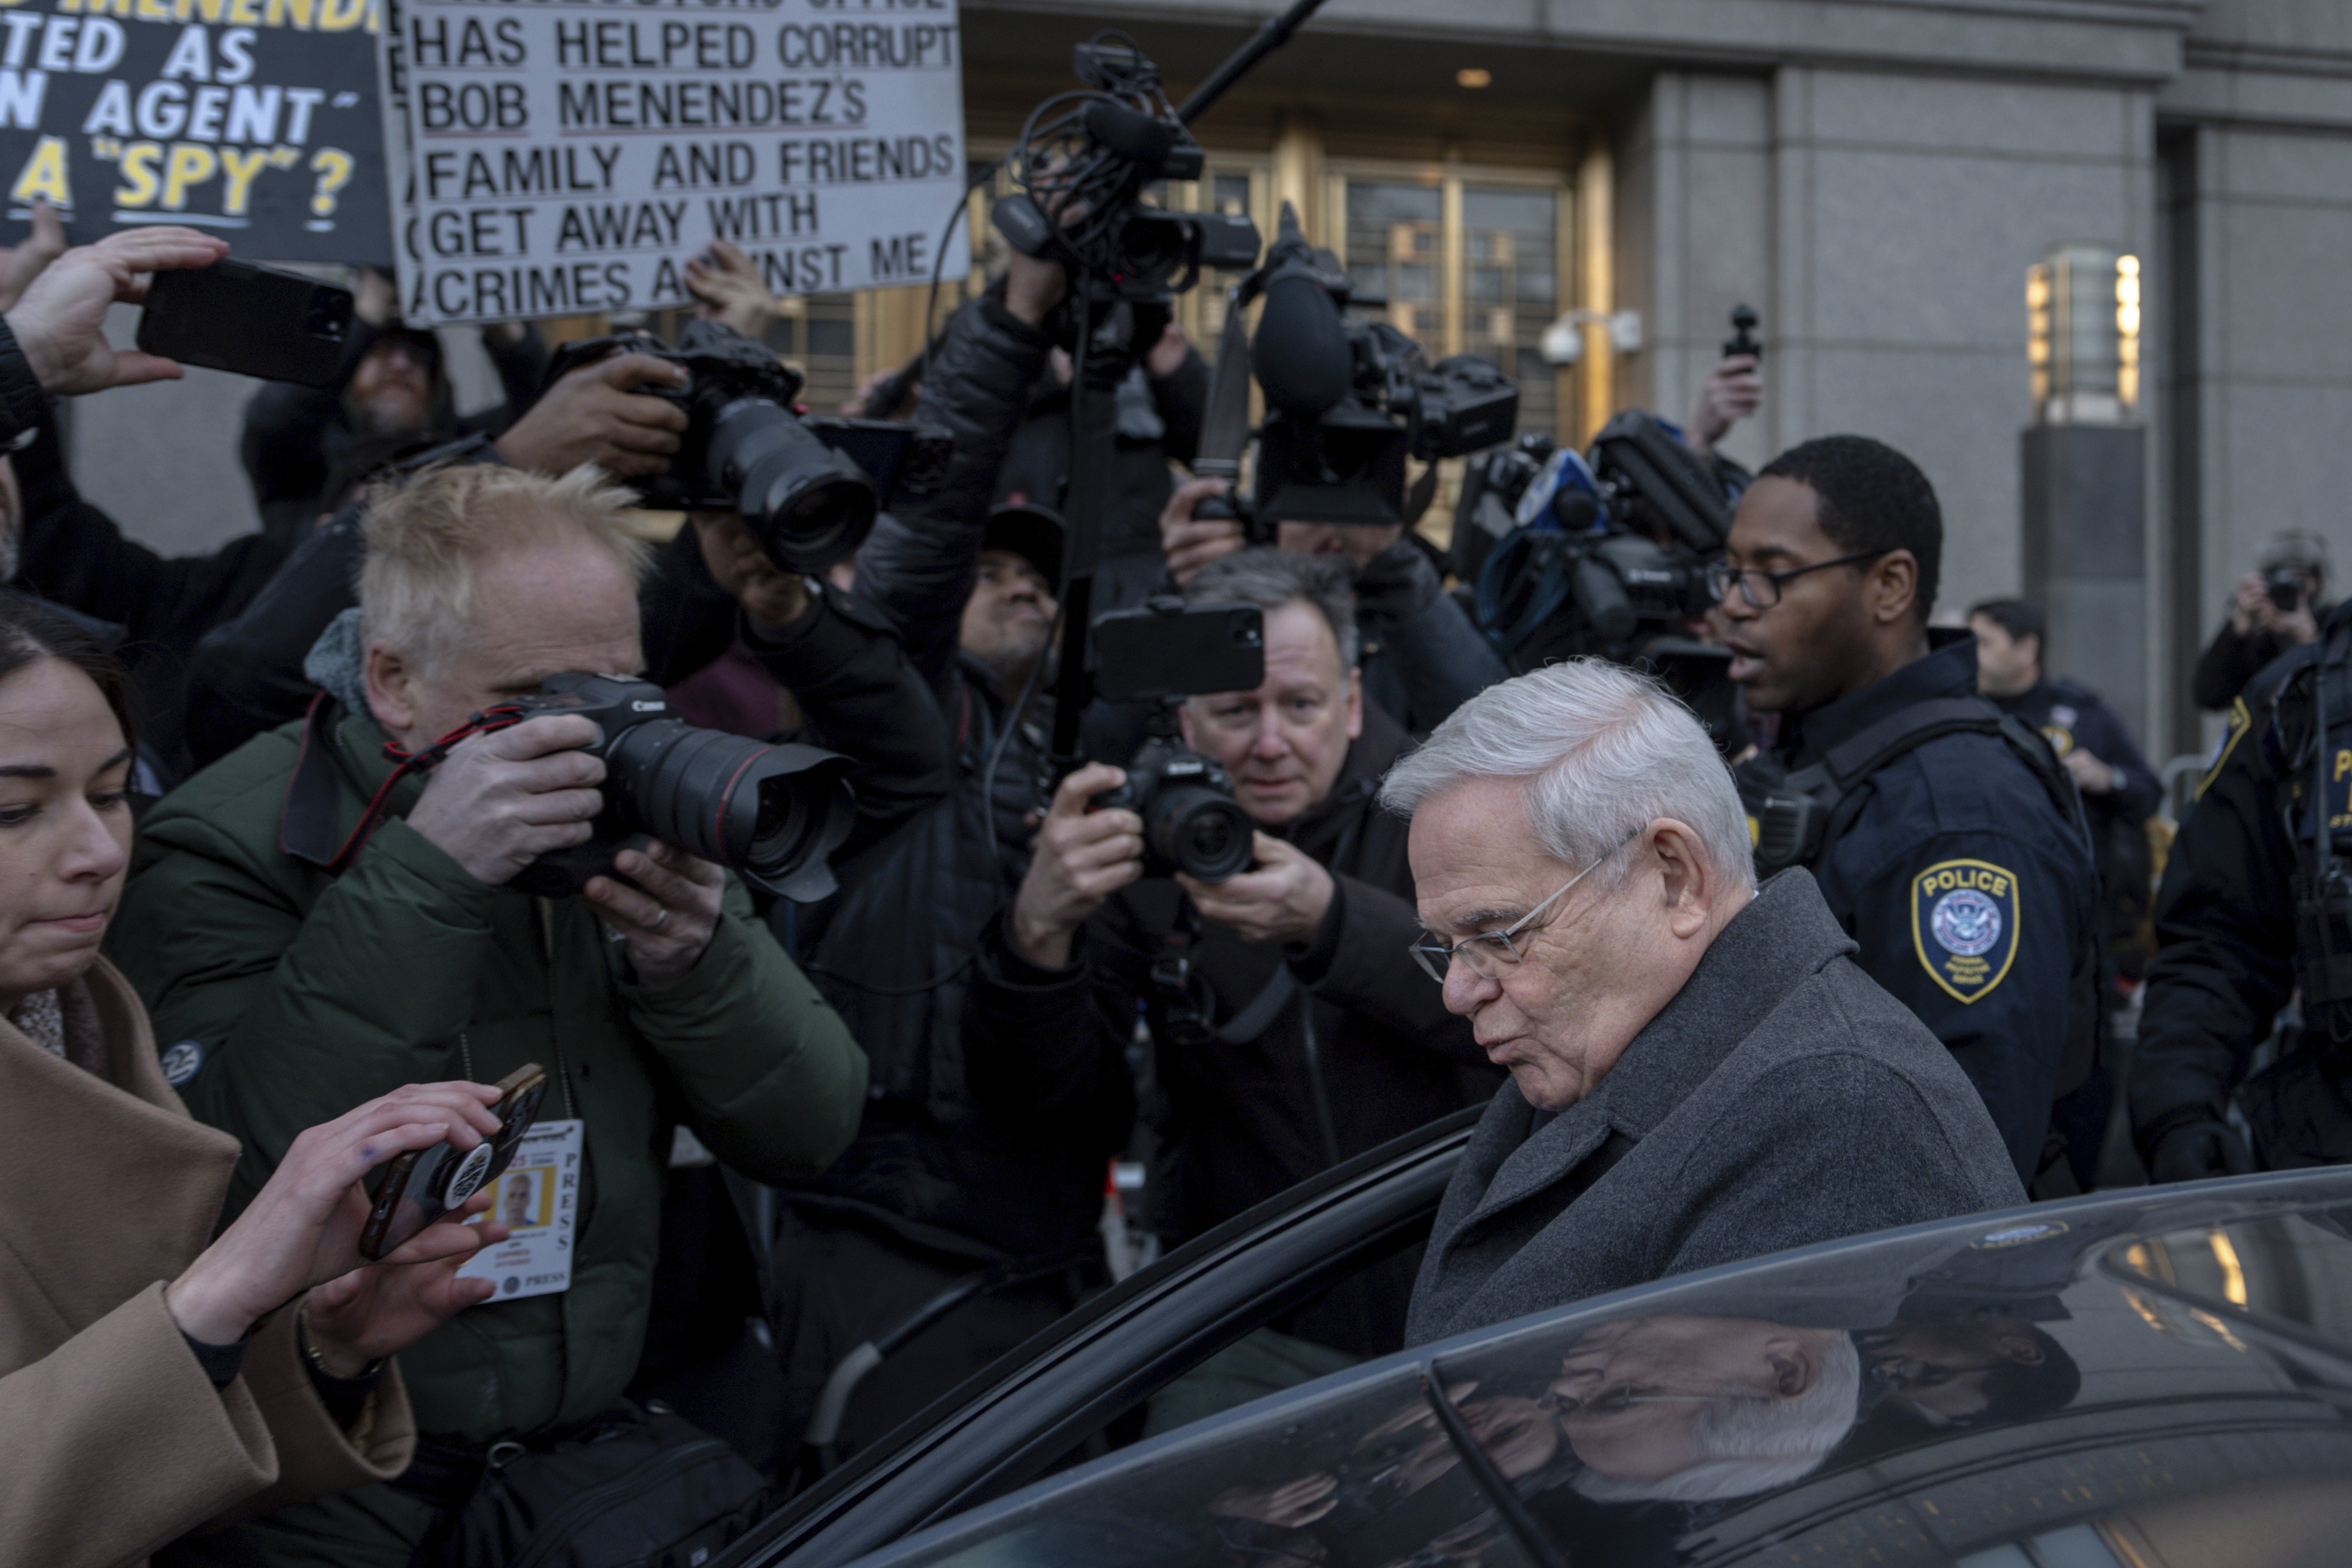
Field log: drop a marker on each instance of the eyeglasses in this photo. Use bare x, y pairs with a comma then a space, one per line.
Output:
1490, 952
1761, 589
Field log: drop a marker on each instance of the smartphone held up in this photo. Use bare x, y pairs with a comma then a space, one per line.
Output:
424, 1184
248, 319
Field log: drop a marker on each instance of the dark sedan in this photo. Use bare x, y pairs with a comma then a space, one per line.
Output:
2159, 1379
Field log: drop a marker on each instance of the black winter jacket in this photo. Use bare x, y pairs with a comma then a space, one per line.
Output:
1366, 1052
74, 555
934, 1164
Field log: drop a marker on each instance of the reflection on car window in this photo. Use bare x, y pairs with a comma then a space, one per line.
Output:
2083, 1389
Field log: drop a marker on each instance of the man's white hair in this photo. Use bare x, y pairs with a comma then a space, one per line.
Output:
1751, 1443
1603, 752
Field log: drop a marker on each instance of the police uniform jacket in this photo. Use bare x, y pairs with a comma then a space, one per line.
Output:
2071, 717
1971, 898
2225, 916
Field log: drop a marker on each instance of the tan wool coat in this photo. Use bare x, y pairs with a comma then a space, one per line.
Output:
113, 1439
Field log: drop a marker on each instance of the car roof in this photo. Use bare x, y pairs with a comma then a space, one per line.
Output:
2110, 1375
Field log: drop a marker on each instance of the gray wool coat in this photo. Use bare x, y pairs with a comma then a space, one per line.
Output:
1781, 1097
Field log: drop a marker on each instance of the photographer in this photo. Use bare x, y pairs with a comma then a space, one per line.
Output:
939, 1186
2278, 607
1421, 657
325, 914
1289, 1038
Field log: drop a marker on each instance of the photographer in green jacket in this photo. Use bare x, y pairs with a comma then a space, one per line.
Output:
285, 990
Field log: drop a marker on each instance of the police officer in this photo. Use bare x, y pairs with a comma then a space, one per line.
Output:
2253, 906
2120, 791
1947, 838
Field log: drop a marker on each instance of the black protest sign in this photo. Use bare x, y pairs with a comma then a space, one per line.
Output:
257, 119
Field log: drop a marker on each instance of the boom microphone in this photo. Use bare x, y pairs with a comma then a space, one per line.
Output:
1301, 354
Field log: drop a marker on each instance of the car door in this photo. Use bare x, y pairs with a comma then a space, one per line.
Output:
1047, 1400
2158, 1378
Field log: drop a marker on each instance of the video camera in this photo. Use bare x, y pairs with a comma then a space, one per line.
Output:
808, 486
1347, 401
1092, 153
1603, 555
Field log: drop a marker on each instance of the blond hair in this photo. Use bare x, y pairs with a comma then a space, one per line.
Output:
428, 536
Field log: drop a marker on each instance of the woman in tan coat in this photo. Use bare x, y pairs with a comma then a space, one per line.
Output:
154, 1380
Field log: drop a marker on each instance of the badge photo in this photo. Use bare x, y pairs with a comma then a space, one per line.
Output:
1964, 925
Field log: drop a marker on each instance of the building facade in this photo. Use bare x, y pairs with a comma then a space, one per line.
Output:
1876, 177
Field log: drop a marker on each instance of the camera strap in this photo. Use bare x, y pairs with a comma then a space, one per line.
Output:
307, 826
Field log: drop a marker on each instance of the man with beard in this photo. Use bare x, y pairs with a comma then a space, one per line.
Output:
1947, 839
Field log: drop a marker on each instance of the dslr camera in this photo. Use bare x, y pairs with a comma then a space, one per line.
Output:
771, 814
807, 486
1348, 401
1161, 654
2283, 585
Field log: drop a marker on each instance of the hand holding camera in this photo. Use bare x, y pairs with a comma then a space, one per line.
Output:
303, 1229
773, 599
667, 917
504, 798
1282, 898
1189, 540
2274, 601
597, 413
1082, 856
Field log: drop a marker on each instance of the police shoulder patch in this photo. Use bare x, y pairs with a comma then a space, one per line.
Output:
2233, 731
1964, 925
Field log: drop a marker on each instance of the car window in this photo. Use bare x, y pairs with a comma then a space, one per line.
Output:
2034, 1393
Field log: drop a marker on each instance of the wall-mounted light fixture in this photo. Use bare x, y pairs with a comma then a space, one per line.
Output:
2081, 335
1563, 340
1474, 77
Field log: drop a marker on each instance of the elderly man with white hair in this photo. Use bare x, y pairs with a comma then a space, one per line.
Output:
1699, 1071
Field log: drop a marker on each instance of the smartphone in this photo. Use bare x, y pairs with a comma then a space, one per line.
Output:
420, 1186
1166, 649
253, 321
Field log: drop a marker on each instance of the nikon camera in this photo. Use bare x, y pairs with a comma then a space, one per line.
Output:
808, 487
771, 814
1159, 654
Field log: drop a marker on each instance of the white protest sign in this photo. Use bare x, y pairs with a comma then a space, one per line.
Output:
573, 155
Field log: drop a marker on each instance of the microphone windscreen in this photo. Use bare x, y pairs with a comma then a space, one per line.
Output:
1300, 353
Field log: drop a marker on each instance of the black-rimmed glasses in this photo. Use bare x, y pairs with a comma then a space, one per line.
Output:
1761, 589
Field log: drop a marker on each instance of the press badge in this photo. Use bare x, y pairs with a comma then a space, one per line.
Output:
538, 1200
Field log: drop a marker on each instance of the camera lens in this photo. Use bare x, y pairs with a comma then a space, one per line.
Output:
1204, 833
769, 814
807, 504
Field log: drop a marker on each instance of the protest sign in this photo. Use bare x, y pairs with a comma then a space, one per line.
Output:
257, 118
573, 156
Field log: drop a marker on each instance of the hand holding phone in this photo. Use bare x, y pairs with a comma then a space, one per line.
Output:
60, 321
423, 1184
